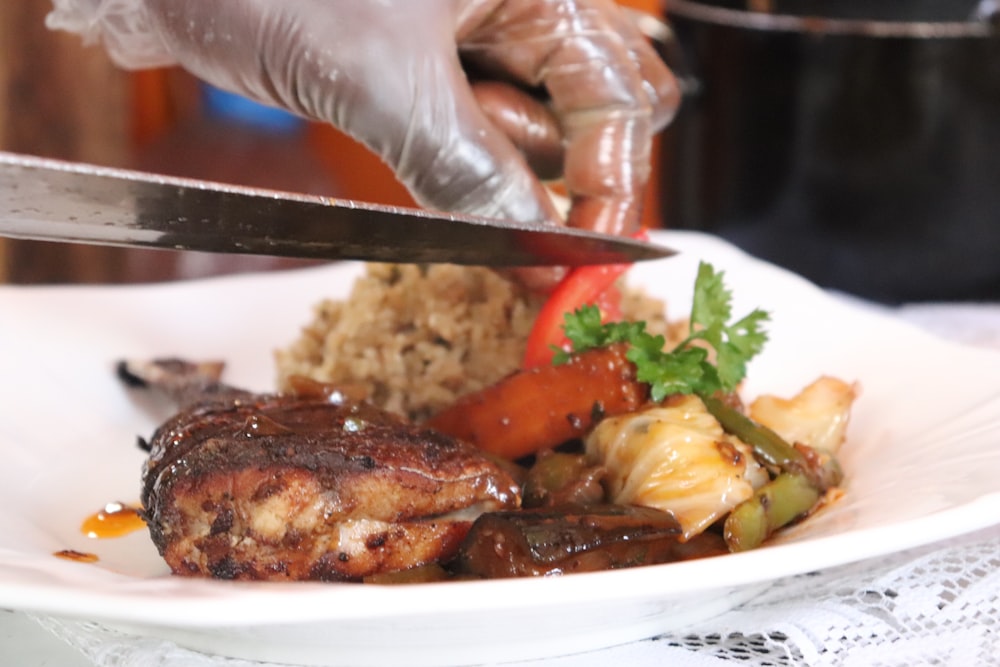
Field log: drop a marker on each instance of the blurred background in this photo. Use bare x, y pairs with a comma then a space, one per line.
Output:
61, 99
854, 142
851, 141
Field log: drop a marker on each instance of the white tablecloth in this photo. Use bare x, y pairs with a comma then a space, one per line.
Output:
938, 605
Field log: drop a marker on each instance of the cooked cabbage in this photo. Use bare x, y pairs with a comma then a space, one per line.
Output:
817, 416
676, 457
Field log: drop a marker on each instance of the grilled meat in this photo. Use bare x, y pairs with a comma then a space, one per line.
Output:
305, 486
568, 539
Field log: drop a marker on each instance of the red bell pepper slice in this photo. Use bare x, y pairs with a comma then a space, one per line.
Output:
585, 285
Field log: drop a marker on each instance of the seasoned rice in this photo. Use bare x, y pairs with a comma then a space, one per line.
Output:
413, 338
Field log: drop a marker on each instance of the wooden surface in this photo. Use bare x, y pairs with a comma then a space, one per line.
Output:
64, 100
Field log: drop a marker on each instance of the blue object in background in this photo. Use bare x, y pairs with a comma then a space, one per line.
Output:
232, 107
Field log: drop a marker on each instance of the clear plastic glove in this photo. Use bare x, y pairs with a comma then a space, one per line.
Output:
470, 102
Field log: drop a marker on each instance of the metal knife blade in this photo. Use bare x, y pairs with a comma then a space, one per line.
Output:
53, 200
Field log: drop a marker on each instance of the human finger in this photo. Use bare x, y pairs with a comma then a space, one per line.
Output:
662, 87
527, 122
576, 50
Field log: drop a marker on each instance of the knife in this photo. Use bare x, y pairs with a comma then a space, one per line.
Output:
53, 200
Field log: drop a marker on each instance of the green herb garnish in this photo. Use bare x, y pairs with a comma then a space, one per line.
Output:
687, 368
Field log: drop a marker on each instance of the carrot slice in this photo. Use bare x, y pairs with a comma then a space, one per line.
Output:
541, 407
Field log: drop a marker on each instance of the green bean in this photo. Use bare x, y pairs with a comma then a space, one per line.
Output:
774, 505
770, 447
821, 468
803, 476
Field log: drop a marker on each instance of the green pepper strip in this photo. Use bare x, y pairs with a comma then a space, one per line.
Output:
774, 505
821, 468
767, 445
801, 481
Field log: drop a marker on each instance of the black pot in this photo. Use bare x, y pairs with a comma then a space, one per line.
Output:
859, 147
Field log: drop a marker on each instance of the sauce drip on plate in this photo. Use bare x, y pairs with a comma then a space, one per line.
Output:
78, 556
114, 520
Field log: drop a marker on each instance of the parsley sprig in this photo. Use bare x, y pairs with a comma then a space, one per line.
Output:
688, 368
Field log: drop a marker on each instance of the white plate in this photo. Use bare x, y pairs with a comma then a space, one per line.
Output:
922, 459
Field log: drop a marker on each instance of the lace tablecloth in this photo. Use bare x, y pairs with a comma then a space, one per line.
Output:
938, 605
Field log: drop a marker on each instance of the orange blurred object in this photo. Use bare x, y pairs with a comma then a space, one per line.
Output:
360, 173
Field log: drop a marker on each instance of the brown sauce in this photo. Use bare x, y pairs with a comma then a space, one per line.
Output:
78, 556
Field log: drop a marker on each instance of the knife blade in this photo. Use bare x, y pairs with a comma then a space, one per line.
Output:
54, 200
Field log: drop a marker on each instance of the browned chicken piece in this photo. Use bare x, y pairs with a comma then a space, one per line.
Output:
309, 486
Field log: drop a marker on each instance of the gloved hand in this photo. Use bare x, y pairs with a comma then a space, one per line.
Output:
445, 91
